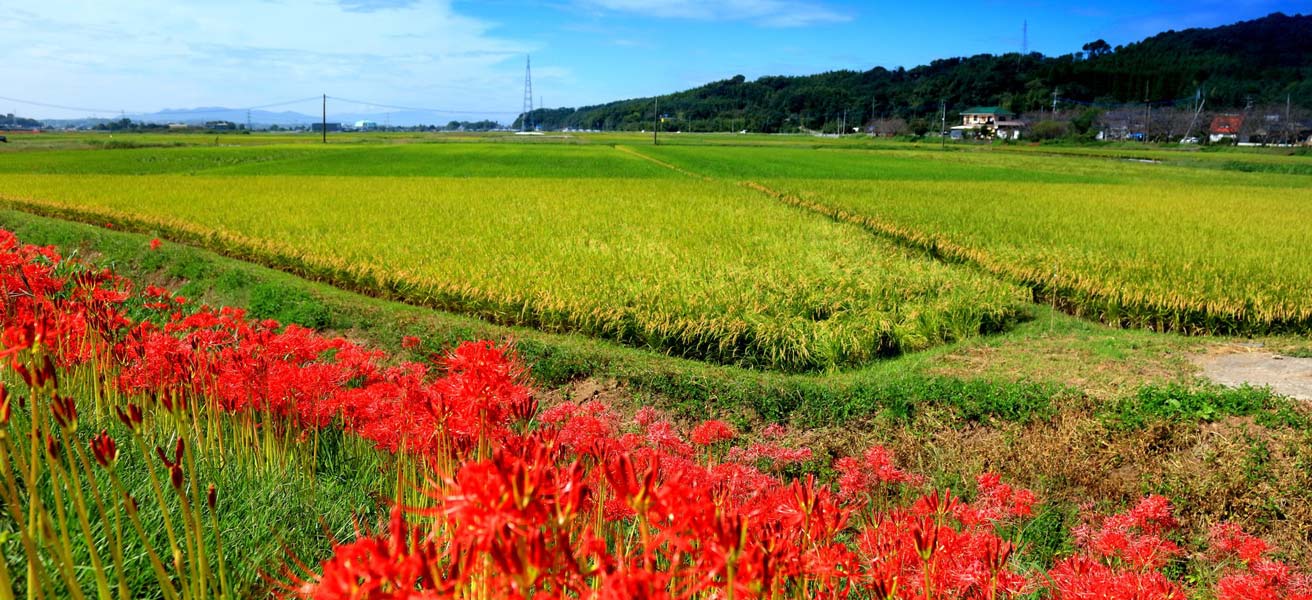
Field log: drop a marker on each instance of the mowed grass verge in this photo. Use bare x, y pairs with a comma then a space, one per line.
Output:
696, 269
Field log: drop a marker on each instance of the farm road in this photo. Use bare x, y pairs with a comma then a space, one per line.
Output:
1237, 365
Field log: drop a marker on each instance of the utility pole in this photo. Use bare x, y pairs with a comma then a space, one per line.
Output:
1054, 104
1148, 114
524, 124
656, 122
1288, 125
1201, 101
325, 118
943, 126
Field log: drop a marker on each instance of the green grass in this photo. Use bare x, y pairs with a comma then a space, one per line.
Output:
276, 504
1173, 402
693, 268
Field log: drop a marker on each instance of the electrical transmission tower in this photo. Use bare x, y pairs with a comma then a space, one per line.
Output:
1025, 38
524, 124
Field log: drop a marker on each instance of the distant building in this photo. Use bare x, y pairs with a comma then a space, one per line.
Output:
1225, 127
320, 126
177, 125
366, 125
220, 125
987, 121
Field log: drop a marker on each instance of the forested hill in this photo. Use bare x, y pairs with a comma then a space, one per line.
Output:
1259, 61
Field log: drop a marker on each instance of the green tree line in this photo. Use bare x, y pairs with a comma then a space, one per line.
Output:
1263, 61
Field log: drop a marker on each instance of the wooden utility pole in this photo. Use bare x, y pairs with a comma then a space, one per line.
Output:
324, 123
656, 123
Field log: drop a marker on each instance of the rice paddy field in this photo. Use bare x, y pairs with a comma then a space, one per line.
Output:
1131, 244
562, 238
789, 254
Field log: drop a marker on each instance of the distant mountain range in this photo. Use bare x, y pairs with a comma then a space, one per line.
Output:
260, 119
1247, 64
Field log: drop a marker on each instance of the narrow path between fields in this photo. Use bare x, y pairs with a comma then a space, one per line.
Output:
1239, 364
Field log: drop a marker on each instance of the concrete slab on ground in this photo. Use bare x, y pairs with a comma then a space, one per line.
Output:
1236, 365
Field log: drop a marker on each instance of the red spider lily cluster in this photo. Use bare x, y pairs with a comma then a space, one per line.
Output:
574, 500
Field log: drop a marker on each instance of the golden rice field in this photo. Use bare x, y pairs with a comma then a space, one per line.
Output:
1197, 250
752, 252
693, 268
1202, 259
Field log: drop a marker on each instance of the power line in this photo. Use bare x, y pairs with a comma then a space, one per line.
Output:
420, 109
275, 104
60, 106
166, 112
87, 109
1167, 102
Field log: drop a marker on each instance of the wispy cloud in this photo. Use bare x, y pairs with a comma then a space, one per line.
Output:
767, 13
140, 54
368, 6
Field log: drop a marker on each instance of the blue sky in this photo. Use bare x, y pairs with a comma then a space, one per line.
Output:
143, 55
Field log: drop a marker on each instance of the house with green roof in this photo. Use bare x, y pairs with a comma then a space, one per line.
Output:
987, 122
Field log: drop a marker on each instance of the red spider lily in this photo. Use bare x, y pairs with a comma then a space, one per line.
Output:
712, 432
155, 244
858, 479
997, 501
1259, 576
1121, 556
398, 565
1229, 539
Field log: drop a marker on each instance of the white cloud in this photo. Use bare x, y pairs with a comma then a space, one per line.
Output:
769, 13
143, 55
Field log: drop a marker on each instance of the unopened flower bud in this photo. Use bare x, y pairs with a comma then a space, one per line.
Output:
52, 448
105, 449
64, 410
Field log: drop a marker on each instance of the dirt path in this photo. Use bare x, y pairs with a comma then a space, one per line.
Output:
1237, 365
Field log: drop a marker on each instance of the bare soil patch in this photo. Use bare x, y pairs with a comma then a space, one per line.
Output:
1236, 365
